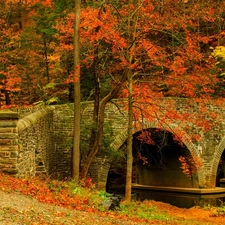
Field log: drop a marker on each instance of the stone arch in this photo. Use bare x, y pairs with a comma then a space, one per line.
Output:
219, 149
122, 136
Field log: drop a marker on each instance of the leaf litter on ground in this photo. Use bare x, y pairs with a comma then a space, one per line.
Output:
37, 201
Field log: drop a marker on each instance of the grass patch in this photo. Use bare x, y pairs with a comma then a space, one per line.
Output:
143, 210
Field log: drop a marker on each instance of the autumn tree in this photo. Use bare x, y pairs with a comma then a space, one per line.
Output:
35, 60
169, 59
11, 25
100, 46
185, 45
165, 46
131, 35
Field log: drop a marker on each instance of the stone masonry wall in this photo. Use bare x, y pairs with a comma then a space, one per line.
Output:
35, 143
63, 141
42, 141
9, 142
63, 137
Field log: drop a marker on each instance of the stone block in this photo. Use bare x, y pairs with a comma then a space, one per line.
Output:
9, 148
5, 142
8, 135
8, 114
14, 154
4, 154
8, 130
11, 171
8, 123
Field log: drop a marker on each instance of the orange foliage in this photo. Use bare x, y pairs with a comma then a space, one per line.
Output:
145, 137
190, 164
170, 53
54, 192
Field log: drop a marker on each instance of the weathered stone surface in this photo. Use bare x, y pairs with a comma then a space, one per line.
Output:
8, 123
8, 130
36, 142
8, 135
9, 148
4, 154
46, 136
8, 142
8, 114
18, 145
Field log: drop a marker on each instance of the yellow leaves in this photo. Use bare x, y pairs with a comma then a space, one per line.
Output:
219, 53
54, 58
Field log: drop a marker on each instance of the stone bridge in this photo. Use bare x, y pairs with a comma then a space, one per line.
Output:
39, 140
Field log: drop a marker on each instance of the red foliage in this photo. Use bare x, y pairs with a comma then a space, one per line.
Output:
48, 192
142, 158
145, 137
190, 164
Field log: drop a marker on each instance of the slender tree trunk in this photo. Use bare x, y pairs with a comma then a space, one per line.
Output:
76, 142
129, 138
131, 31
97, 87
95, 148
95, 117
46, 58
98, 138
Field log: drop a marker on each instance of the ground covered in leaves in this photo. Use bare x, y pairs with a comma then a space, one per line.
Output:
37, 201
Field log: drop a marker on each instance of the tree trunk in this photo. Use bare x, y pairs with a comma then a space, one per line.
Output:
131, 31
95, 117
46, 58
129, 139
76, 141
95, 148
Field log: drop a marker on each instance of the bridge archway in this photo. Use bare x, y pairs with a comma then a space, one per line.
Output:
190, 148
157, 162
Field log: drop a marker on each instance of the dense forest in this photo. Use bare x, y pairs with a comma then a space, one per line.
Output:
141, 50
172, 47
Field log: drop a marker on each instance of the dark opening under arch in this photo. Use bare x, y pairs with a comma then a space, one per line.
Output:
156, 162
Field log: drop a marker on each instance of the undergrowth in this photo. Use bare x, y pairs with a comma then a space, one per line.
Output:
85, 197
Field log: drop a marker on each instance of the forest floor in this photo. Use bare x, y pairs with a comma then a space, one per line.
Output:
19, 207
